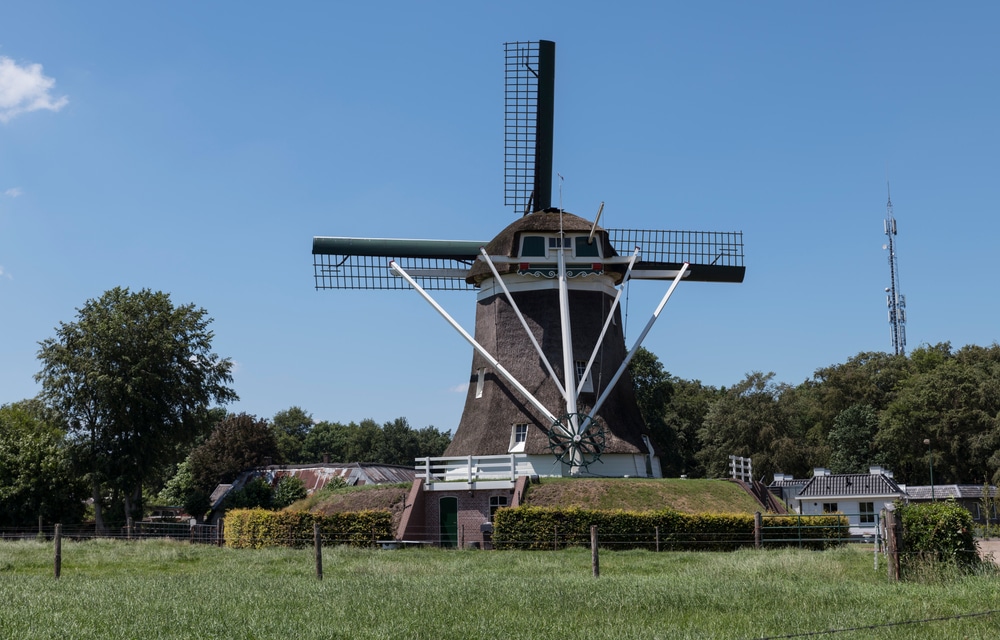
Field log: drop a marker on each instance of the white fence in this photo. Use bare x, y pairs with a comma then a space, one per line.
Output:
471, 471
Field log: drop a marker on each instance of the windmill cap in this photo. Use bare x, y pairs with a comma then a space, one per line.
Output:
506, 243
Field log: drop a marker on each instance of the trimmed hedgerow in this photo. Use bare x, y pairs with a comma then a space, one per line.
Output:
937, 532
809, 532
555, 528
257, 528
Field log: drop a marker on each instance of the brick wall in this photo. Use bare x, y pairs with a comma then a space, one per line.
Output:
473, 511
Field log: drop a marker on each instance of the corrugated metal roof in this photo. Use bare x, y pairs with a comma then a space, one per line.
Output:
850, 484
945, 491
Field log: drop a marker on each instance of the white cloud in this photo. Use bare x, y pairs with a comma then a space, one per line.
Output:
459, 388
24, 89
4, 274
13, 192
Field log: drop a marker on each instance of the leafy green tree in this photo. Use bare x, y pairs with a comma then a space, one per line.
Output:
869, 378
431, 442
327, 440
749, 420
287, 490
673, 410
255, 493
37, 478
291, 428
179, 487
239, 443
953, 401
365, 442
852, 440
134, 377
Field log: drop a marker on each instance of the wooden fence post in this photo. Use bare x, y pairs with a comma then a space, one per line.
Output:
594, 559
892, 539
128, 528
758, 530
657, 537
318, 542
555, 538
58, 550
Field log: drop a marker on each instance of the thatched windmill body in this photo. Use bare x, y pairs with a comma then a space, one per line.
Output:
548, 381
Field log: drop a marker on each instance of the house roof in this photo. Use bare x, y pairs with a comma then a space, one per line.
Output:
795, 482
945, 491
848, 485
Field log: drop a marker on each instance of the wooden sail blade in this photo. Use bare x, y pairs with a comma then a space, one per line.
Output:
363, 263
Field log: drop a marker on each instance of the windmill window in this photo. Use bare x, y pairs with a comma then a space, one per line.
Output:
554, 243
588, 385
533, 247
586, 249
495, 503
481, 374
518, 436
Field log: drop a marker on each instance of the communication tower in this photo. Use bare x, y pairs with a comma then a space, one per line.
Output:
894, 299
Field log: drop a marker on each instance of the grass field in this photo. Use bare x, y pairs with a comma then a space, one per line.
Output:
159, 589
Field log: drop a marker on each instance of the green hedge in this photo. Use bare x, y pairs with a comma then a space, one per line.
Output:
555, 528
256, 528
812, 532
937, 532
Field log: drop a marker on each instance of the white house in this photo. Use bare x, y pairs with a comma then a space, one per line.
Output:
859, 496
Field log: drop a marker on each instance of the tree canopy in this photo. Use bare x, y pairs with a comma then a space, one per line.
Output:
133, 378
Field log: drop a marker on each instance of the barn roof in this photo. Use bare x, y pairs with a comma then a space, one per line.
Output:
945, 491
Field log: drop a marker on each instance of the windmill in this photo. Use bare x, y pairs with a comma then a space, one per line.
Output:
549, 378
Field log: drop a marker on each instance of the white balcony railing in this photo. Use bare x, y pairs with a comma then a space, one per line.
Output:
472, 470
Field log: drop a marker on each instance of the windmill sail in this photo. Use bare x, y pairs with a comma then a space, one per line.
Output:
529, 93
444, 265
549, 369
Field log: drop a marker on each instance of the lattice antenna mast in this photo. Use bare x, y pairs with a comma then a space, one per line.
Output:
894, 299
529, 78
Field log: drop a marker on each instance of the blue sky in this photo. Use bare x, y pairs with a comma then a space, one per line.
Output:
196, 148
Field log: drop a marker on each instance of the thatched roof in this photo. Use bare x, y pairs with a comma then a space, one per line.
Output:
485, 427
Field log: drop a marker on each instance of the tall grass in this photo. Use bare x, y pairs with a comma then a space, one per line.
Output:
158, 589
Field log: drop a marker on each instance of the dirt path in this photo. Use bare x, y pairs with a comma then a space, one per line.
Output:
991, 546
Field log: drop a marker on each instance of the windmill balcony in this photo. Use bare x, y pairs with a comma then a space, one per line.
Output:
473, 472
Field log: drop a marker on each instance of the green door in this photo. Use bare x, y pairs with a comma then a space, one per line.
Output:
449, 522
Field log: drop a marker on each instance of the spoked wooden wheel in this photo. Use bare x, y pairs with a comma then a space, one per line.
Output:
575, 448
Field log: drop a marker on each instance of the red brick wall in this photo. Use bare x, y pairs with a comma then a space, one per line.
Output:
473, 511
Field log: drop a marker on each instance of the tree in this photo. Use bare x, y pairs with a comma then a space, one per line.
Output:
37, 478
673, 410
327, 440
852, 440
953, 400
749, 420
287, 490
238, 443
134, 377
291, 428
431, 442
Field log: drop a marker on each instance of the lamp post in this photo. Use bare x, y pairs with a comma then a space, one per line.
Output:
930, 460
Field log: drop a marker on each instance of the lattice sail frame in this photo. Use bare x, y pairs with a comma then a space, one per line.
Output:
529, 89
440, 265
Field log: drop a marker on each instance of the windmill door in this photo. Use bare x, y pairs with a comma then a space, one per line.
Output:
449, 522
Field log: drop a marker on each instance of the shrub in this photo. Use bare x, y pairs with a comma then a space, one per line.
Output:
555, 528
287, 490
257, 528
937, 532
